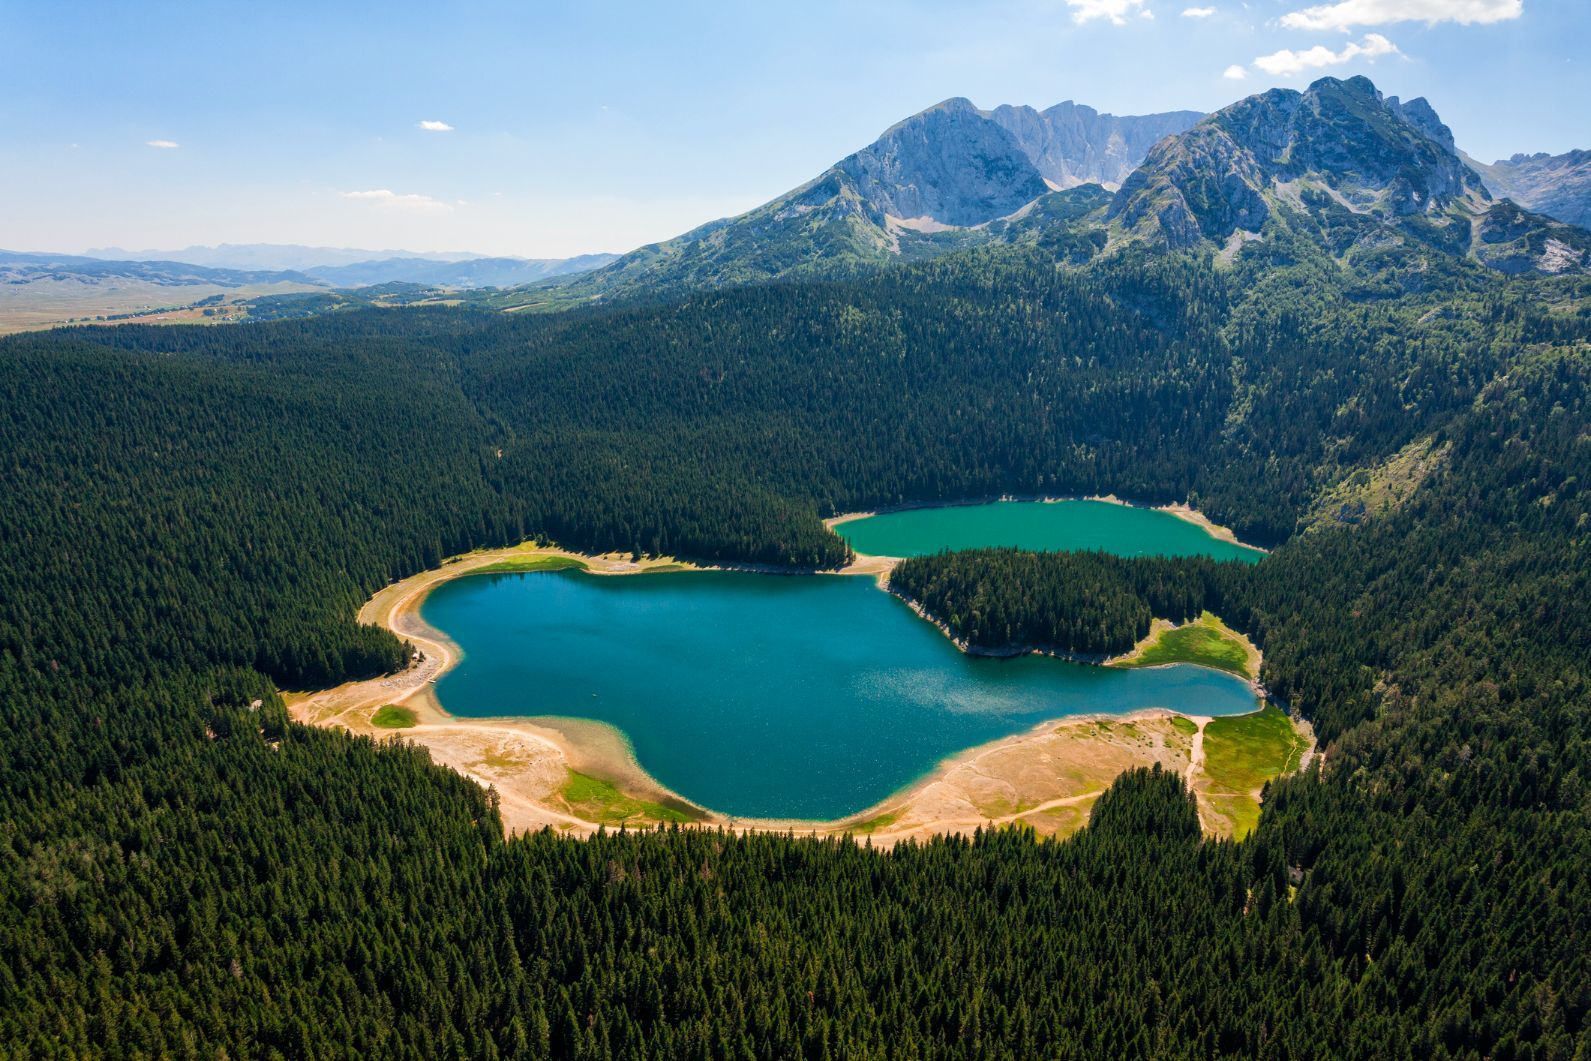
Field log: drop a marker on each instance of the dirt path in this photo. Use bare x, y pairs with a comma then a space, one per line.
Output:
1196, 755
1196, 767
889, 837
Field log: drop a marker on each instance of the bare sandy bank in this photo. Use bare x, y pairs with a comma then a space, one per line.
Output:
1213, 529
1046, 778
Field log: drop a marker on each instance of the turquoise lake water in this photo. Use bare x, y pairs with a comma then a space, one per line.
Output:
1038, 525
808, 697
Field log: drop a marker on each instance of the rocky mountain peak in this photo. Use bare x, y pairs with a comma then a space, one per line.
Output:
1072, 144
947, 165
1338, 143
1419, 113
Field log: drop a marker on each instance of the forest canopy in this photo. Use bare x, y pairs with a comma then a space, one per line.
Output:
193, 516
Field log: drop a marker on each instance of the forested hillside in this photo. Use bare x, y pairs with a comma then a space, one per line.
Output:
193, 515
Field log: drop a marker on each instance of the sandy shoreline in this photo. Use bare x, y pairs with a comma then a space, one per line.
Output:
1213, 529
528, 760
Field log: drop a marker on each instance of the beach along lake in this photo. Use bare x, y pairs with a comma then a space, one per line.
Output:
1038, 525
802, 697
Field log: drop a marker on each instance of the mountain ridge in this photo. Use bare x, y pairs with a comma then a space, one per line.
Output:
1340, 167
1556, 185
948, 177
1372, 181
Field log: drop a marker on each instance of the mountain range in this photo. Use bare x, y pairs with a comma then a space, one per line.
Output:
271, 257
236, 264
1337, 171
1353, 174
1556, 185
18, 267
39, 290
1342, 167
465, 273
948, 177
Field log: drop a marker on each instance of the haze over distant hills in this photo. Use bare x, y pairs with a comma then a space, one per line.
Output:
271, 256
1556, 185
43, 289
350, 267
465, 273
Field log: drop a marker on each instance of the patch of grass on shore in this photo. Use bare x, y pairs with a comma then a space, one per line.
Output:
515, 564
874, 824
599, 801
1207, 641
1243, 752
1185, 726
391, 716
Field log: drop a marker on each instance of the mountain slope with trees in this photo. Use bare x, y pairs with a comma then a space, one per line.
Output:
194, 516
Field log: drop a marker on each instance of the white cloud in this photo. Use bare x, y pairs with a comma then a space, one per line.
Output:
436, 127
1287, 62
1197, 12
161, 143
1349, 13
391, 200
1114, 10
1234, 73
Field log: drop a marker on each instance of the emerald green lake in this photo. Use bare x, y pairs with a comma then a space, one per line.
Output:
808, 697
1038, 525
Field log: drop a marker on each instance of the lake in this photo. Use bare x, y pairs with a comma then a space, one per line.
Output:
1124, 530
805, 697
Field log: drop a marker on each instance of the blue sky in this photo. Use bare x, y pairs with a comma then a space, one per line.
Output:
599, 125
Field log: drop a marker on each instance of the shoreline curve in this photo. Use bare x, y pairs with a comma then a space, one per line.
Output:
527, 760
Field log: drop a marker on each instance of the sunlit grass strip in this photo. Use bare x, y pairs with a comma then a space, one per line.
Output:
599, 801
532, 563
391, 716
1207, 641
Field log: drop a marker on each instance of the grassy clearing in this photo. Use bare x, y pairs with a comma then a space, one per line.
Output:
1243, 753
1240, 755
517, 564
391, 716
874, 824
1206, 641
1185, 726
599, 801
1238, 813
1371, 492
